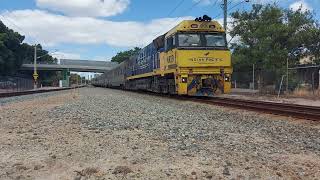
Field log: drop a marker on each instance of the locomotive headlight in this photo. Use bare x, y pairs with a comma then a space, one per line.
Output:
212, 26
194, 25
184, 79
227, 78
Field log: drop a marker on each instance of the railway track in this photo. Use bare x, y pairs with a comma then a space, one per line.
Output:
284, 109
21, 93
290, 110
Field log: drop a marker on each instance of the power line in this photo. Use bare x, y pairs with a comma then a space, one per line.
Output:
19, 28
12, 23
209, 7
215, 3
231, 8
237, 5
175, 8
189, 9
194, 5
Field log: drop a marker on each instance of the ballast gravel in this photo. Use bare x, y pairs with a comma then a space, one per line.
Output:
97, 133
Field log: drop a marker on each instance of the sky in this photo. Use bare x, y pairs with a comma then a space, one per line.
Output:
98, 29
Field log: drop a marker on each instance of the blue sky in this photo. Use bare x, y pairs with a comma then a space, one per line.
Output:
98, 29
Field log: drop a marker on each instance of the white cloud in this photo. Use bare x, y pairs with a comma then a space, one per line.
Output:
64, 55
92, 8
304, 6
52, 29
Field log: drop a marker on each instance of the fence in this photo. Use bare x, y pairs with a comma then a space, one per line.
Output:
301, 81
306, 80
15, 83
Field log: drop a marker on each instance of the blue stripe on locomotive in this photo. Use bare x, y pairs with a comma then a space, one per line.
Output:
144, 62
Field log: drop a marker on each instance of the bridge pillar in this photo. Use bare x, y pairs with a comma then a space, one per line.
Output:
65, 78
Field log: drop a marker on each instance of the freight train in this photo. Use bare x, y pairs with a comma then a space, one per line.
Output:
191, 59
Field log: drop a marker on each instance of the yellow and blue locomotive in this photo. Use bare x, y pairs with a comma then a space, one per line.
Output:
191, 59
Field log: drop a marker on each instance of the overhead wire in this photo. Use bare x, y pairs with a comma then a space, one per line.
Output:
175, 8
213, 4
239, 3
20, 29
37, 41
179, 16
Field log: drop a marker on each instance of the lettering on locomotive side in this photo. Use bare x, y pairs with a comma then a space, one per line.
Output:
170, 59
142, 63
205, 60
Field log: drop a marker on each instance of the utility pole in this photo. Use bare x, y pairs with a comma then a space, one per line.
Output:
225, 12
35, 73
253, 77
287, 88
319, 80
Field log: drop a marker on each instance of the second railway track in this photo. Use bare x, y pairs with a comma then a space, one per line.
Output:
285, 109
22, 93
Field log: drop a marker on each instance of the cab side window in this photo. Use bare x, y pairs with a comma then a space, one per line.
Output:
170, 43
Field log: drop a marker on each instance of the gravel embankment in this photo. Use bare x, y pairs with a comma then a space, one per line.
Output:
96, 133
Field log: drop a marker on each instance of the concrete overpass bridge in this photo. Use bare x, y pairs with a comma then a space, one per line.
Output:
73, 65
67, 65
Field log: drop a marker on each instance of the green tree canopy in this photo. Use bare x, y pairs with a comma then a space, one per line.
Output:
268, 35
9, 50
13, 52
124, 55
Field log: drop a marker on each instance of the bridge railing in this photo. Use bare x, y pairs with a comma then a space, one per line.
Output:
54, 63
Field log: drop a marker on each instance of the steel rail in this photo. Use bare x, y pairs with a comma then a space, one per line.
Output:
21, 93
291, 110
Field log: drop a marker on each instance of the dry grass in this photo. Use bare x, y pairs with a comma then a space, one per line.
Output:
306, 93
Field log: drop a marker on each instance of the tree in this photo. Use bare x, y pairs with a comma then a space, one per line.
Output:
13, 53
124, 55
75, 79
9, 50
268, 35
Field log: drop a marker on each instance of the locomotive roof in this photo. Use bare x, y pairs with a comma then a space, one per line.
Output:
192, 25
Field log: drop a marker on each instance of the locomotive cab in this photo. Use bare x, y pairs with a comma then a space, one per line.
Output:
197, 52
